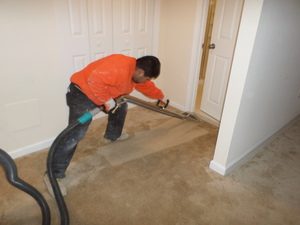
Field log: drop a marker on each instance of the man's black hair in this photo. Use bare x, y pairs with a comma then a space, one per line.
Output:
150, 65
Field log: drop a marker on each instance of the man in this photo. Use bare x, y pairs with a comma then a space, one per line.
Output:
99, 84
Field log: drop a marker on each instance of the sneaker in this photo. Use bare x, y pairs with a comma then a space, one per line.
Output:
107, 141
123, 137
61, 185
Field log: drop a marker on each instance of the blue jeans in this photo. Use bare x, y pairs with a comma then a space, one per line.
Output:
79, 104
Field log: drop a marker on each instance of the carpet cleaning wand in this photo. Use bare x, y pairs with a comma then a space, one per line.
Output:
158, 108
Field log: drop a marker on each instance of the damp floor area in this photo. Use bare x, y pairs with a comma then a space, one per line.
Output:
160, 176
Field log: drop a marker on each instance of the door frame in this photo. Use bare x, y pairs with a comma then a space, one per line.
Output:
198, 39
203, 62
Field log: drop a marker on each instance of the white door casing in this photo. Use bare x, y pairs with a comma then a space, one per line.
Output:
225, 28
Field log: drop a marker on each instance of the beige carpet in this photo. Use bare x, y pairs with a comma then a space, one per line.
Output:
160, 176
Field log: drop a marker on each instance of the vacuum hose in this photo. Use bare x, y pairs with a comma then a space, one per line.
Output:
12, 176
64, 215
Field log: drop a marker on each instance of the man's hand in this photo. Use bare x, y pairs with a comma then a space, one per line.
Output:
110, 105
163, 103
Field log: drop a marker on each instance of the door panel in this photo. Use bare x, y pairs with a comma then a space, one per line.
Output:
85, 29
72, 27
91, 29
225, 28
220, 66
100, 28
123, 26
144, 27
79, 33
132, 28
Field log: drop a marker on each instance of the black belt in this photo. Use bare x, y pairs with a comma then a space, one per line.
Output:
74, 87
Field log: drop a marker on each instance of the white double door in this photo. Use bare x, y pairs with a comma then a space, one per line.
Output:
91, 29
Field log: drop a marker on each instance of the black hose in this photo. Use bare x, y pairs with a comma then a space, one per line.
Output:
12, 176
64, 215
63, 210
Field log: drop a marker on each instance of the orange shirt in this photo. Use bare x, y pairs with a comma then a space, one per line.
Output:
111, 77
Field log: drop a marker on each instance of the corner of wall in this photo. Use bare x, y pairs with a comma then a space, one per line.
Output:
217, 168
239, 71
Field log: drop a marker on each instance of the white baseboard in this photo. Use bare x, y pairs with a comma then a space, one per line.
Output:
26, 150
217, 167
248, 155
31, 148
224, 170
177, 106
207, 118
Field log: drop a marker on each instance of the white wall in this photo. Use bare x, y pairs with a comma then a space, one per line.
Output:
270, 97
31, 88
177, 22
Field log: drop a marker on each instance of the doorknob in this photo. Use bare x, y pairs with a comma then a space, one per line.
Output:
212, 46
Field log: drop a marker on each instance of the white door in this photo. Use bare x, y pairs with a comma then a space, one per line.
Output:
85, 31
225, 28
100, 28
133, 26
91, 29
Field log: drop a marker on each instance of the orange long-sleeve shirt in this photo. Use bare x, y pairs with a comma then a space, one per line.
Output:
111, 77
